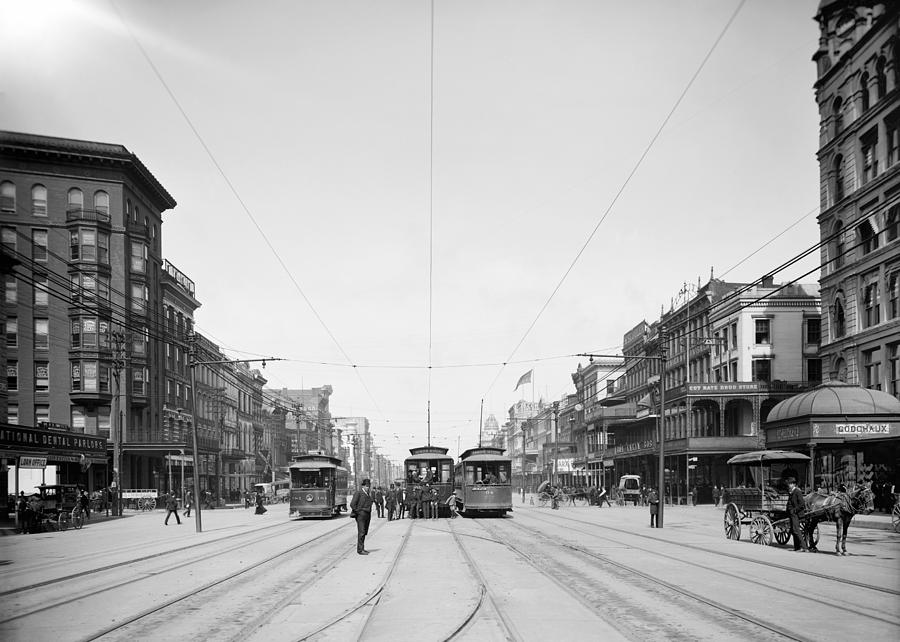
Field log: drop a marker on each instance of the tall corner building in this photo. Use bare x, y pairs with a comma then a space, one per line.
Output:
83, 304
857, 90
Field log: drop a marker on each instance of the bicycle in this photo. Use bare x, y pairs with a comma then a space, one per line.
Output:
77, 517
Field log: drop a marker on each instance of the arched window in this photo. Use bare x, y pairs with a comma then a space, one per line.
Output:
7, 197
39, 200
837, 115
867, 237
127, 207
837, 319
864, 90
76, 200
101, 202
881, 77
840, 370
837, 246
838, 178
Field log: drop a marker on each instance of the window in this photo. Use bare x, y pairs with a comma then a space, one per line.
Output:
75, 200
103, 333
838, 320
864, 91
12, 375
41, 414
9, 239
838, 178
762, 370
41, 291
139, 297
90, 376
872, 369
41, 376
7, 197
101, 202
78, 418
103, 248
89, 333
881, 77
871, 305
814, 370
138, 257
12, 414
39, 200
892, 224
894, 295
837, 115
76, 376
892, 134
814, 331
867, 237
893, 351
42, 334
762, 335
83, 244
139, 341
139, 377
734, 341
11, 292
39, 245
104, 379
12, 332
868, 145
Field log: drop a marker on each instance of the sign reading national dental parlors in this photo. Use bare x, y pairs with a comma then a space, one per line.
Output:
845, 430
50, 441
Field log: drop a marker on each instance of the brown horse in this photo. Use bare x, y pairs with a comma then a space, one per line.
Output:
838, 507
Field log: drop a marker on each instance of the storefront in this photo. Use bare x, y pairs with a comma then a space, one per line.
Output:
852, 435
76, 458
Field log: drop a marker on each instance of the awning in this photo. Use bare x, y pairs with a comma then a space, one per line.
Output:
767, 457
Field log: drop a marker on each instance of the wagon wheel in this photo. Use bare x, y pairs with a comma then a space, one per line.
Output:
78, 518
895, 518
543, 499
782, 533
761, 531
62, 520
732, 522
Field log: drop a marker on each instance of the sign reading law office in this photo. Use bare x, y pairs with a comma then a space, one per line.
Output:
844, 430
51, 441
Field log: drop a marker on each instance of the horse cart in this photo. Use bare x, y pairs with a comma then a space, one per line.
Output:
59, 507
758, 497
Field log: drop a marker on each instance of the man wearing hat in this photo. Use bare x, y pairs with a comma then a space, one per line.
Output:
796, 506
361, 510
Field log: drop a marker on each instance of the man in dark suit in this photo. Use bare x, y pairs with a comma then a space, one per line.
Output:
361, 510
796, 506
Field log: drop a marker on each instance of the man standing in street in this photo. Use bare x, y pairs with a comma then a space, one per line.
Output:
361, 510
379, 501
188, 501
796, 506
653, 500
171, 507
391, 502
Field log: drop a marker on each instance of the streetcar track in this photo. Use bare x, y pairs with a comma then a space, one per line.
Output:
734, 556
485, 591
99, 569
372, 597
757, 622
205, 587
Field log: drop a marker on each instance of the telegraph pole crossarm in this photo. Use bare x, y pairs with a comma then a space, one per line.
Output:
192, 342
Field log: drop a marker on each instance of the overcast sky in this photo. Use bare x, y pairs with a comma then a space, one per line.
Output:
326, 249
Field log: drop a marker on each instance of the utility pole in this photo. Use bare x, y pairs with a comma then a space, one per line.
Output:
555, 443
118, 339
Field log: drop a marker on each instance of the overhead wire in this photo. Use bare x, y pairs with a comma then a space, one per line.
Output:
621, 190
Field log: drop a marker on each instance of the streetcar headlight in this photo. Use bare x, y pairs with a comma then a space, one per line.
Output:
309, 498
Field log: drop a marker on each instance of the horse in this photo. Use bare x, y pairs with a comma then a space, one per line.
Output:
838, 507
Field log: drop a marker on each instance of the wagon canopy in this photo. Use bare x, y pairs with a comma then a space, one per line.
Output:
543, 485
763, 457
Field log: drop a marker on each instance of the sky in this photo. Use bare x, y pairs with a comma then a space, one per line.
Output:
397, 203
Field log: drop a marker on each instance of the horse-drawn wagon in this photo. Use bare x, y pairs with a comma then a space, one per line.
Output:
761, 500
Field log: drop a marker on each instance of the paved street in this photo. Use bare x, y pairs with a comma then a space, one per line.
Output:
594, 573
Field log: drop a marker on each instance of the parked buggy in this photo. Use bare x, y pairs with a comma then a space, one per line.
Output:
59, 507
760, 499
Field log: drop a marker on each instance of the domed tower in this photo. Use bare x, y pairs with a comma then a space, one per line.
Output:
857, 89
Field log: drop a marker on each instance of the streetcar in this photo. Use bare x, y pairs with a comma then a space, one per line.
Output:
430, 465
482, 479
318, 486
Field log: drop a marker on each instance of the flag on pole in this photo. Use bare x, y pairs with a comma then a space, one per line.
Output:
525, 378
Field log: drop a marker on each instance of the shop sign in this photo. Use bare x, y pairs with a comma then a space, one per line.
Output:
50, 440
862, 429
633, 446
32, 462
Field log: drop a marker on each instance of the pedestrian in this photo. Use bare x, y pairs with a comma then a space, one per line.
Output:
171, 508
451, 503
716, 495
361, 511
260, 504
413, 499
653, 499
401, 502
390, 501
694, 496
425, 501
21, 508
379, 501
435, 503
603, 496
796, 506
188, 502
84, 502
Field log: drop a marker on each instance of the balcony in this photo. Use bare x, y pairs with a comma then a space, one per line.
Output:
98, 217
136, 228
